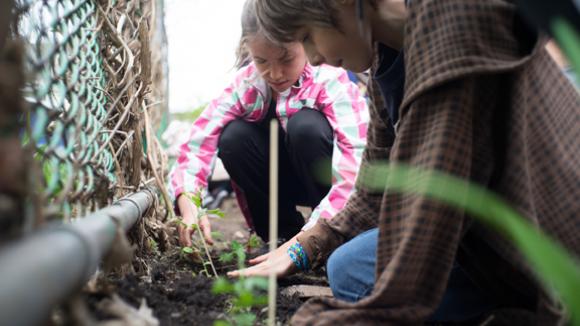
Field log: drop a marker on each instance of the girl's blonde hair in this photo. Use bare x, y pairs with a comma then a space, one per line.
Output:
281, 19
250, 28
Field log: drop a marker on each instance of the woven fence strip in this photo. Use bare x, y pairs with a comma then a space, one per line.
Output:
88, 67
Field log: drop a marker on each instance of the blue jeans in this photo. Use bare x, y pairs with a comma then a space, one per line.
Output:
351, 274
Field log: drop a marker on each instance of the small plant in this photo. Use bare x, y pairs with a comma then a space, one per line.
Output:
253, 242
217, 235
193, 251
153, 245
236, 250
197, 201
246, 292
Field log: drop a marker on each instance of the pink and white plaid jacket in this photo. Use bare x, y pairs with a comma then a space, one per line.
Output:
322, 88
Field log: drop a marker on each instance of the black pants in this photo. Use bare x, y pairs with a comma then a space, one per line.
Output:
304, 149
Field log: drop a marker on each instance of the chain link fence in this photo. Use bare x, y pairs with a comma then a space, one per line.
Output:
67, 98
90, 92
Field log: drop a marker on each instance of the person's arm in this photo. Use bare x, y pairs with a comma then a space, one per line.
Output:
347, 113
198, 154
362, 208
358, 215
447, 129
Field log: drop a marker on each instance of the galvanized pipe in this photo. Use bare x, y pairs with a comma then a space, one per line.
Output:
43, 269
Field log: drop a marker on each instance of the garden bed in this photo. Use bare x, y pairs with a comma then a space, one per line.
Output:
179, 293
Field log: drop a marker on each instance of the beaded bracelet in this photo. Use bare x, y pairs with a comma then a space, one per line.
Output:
298, 256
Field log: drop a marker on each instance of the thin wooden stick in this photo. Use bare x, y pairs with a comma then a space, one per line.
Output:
152, 158
273, 218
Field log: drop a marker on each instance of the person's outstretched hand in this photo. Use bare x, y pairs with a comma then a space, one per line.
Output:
278, 262
189, 213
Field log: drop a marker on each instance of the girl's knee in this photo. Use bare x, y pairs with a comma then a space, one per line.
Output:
308, 125
232, 134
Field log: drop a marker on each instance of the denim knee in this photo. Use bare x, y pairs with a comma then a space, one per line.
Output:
351, 267
336, 270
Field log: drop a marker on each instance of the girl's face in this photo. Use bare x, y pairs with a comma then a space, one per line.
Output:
279, 66
346, 47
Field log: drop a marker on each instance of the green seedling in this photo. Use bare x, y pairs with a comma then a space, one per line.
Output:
236, 250
246, 292
253, 242
153, 245
197, 201
194, 253
217, 235
226, 257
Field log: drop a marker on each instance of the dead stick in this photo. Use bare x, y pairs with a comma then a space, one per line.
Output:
122, 119
153, 163
273, 218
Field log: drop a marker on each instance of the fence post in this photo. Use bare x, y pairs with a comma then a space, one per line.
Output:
12, 158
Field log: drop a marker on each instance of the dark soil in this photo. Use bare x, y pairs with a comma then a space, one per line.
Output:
178, 292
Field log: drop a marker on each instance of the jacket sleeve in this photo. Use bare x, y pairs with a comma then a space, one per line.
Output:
360, 213
442, 130
197, 155
347, 112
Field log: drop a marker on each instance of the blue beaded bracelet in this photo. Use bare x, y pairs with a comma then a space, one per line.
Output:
298, 256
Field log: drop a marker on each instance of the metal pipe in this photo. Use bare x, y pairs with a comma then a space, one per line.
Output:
40, 271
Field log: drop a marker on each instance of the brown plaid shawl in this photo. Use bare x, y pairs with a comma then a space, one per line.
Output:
483, 101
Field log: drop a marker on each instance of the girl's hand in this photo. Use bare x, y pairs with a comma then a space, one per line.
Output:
277, 262
189, 212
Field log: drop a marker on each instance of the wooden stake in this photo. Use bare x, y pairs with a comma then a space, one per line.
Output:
273, 218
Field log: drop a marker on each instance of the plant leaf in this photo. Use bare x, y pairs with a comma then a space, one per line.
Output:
244, 319
254, 241
222, 286
554, 266
195, 198
256, 283
226, 257
221, 323
216, 212
245, 299
217, 235
187, 250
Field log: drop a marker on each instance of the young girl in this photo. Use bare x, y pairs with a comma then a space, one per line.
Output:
471, 92
322, 122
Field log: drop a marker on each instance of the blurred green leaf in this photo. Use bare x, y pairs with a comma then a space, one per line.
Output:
245, 319
254, 241
569, 40
236, 245
216, 212
554, 266
195, 198
256, 283
323, 171
261, 300
187, 250
222, 286
226, 257
245, 299
221, 323
190, 115
217, 235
